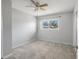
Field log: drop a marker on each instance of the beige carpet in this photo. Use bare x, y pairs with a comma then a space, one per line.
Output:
43, 50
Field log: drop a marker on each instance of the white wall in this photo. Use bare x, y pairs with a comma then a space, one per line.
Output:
23, 28
6, 40
65, 32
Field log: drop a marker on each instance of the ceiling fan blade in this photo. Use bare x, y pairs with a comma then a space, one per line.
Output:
42, 9
33, 2
43, 5
37, 4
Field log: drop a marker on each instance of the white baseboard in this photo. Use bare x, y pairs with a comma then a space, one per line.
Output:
58, 42
17, 45
7, 56
23, 43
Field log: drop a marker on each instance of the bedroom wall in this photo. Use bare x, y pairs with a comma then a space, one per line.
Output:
23, 28
65, 32
6, 28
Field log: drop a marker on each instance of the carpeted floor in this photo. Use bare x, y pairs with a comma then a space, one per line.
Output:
43, 50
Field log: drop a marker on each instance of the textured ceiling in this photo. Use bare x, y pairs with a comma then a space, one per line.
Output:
54, 6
